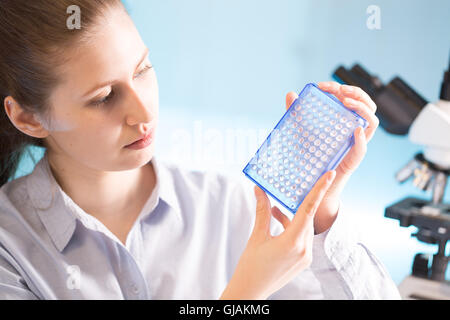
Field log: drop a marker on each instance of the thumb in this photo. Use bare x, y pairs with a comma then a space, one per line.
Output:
356, 154
263, 214
290, 98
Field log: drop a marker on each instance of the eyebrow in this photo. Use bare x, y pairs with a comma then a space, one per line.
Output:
104, 84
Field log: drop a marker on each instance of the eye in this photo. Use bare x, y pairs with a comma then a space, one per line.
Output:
143, 71
106, 99
103, 100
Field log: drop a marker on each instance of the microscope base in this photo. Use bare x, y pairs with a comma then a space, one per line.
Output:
415, 288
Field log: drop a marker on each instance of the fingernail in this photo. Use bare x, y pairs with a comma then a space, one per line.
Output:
257, 191
361, 131
331, 176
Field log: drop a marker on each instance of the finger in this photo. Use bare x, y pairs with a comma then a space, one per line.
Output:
263, 213
309, 206
358, 94
356, 154
290, 98
308, 242
281, 217
343, 91
362, 109
332, 87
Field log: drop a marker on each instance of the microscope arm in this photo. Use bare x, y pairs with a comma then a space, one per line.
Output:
431, 128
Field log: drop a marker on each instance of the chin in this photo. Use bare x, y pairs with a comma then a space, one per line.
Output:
133, 159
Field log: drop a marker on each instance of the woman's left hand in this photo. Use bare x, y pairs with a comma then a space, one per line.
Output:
359, 101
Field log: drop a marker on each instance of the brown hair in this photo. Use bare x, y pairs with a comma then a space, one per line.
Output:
33, 38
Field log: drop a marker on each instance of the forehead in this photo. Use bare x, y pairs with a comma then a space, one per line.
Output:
111, 52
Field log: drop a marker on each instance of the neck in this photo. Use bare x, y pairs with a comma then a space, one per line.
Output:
107, 195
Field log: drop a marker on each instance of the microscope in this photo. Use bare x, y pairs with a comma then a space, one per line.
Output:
402, 111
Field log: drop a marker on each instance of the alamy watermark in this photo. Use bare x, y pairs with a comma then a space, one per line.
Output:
215, 146
73, 281
373, 21
74, 20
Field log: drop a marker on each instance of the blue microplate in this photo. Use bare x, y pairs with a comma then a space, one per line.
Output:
312, 137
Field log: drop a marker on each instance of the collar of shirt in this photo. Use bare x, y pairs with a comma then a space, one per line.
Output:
59, 213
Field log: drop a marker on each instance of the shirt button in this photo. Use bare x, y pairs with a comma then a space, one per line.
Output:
134, 289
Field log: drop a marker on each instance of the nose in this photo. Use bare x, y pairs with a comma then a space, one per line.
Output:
138, 111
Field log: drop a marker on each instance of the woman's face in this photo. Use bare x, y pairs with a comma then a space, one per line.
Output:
108, 99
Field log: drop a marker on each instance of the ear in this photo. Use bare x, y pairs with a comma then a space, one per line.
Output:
24, 121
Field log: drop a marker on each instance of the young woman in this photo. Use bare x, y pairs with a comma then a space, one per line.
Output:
100, 219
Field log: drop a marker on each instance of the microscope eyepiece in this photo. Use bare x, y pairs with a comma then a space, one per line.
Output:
445, 88
397, 103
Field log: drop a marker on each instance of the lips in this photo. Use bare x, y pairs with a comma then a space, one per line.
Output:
149, 133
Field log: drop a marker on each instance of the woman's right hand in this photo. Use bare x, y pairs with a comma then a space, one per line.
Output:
269, 262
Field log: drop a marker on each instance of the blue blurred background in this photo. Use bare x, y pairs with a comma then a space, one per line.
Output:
225, 67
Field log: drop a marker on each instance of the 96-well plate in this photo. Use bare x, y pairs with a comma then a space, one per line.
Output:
311, 138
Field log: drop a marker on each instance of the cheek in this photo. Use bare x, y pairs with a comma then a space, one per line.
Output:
59, 124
